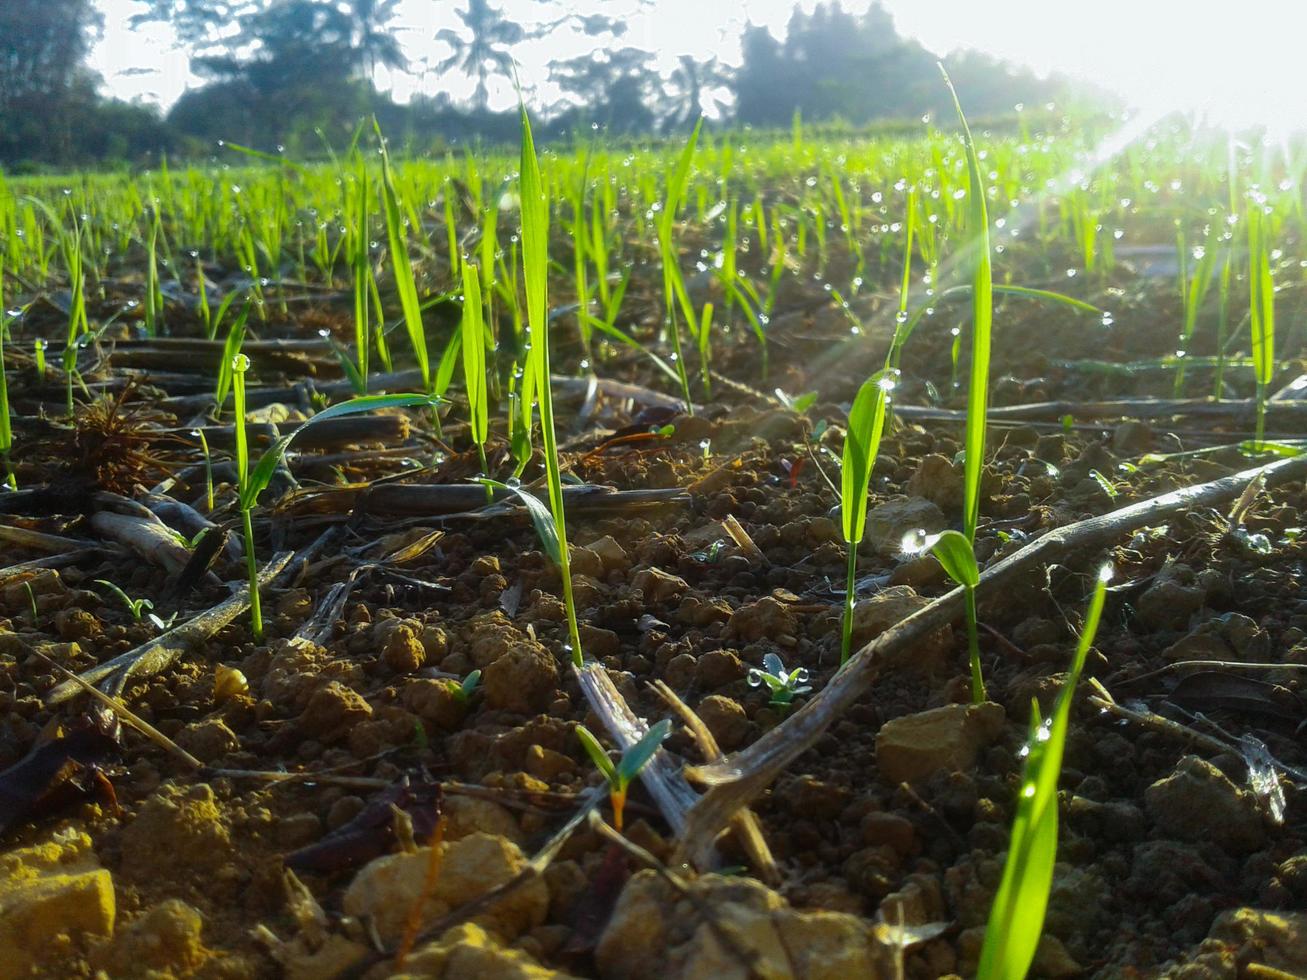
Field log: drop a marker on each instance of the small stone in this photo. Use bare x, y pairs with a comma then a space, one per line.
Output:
384, 890
726, 719
821, 530
468, 815
890, 522
914, 747
298, 829
887, 609
332, 711
76, 624
1131, 438
610, 553
654, 934
599, 643
938, 481
468, 950
1198, 802
889, 829
583, 561
547, 764
1171, 600
657, 586
523, 680
436, 702
717, 668
768, 618
208, 740
49, 894
435, 641
343, 810
176, 829
1277, 940
165, 941
401, 644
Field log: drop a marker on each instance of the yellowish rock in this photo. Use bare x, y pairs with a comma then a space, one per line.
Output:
468, 951
165, 941
914, 747
656, 935
52, 895
386, 889
1274, 940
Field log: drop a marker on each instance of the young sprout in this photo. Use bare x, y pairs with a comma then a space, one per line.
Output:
463, 691
958, 559
208, 469
535, 379
137, 607
1261, 308
783, 684
6, 426
861, 444
628, 767
252, 482
473, 332
1017, 917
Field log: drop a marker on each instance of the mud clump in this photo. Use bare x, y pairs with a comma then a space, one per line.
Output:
1198, 802
177, 829
655, 934
384, 891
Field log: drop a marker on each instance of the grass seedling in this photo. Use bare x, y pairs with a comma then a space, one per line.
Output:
1017, 917
633, 760
861, 444
463, 690
137, 607
473, 330
1261, 299
208, 469
6, 424
153, 295
535, 380
252, 482
673, 288
401, 266
784, 685
230, 348
957, 557
982, 313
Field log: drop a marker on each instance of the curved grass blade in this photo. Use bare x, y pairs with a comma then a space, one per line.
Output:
1017, 917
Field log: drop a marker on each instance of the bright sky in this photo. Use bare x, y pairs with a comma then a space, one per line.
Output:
1238, 62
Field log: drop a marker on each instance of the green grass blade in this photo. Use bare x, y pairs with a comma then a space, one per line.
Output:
956, 556
982, 314
535, 273
261, 476
402, 266
473, 333
1017, 917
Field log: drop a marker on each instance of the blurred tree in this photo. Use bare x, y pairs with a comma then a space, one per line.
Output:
691, 81
376, 45
833, 64
295, 67
483, 53
43, 78
615, 89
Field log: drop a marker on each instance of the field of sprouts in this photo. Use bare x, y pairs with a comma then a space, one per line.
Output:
758, 555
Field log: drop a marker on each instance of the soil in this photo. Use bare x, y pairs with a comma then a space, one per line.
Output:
1171, 861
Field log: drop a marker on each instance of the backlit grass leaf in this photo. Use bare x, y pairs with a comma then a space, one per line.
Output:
267, 465
956, 556
861, 444
1017, 917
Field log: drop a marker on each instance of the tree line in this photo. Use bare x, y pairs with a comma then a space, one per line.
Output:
300, 74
